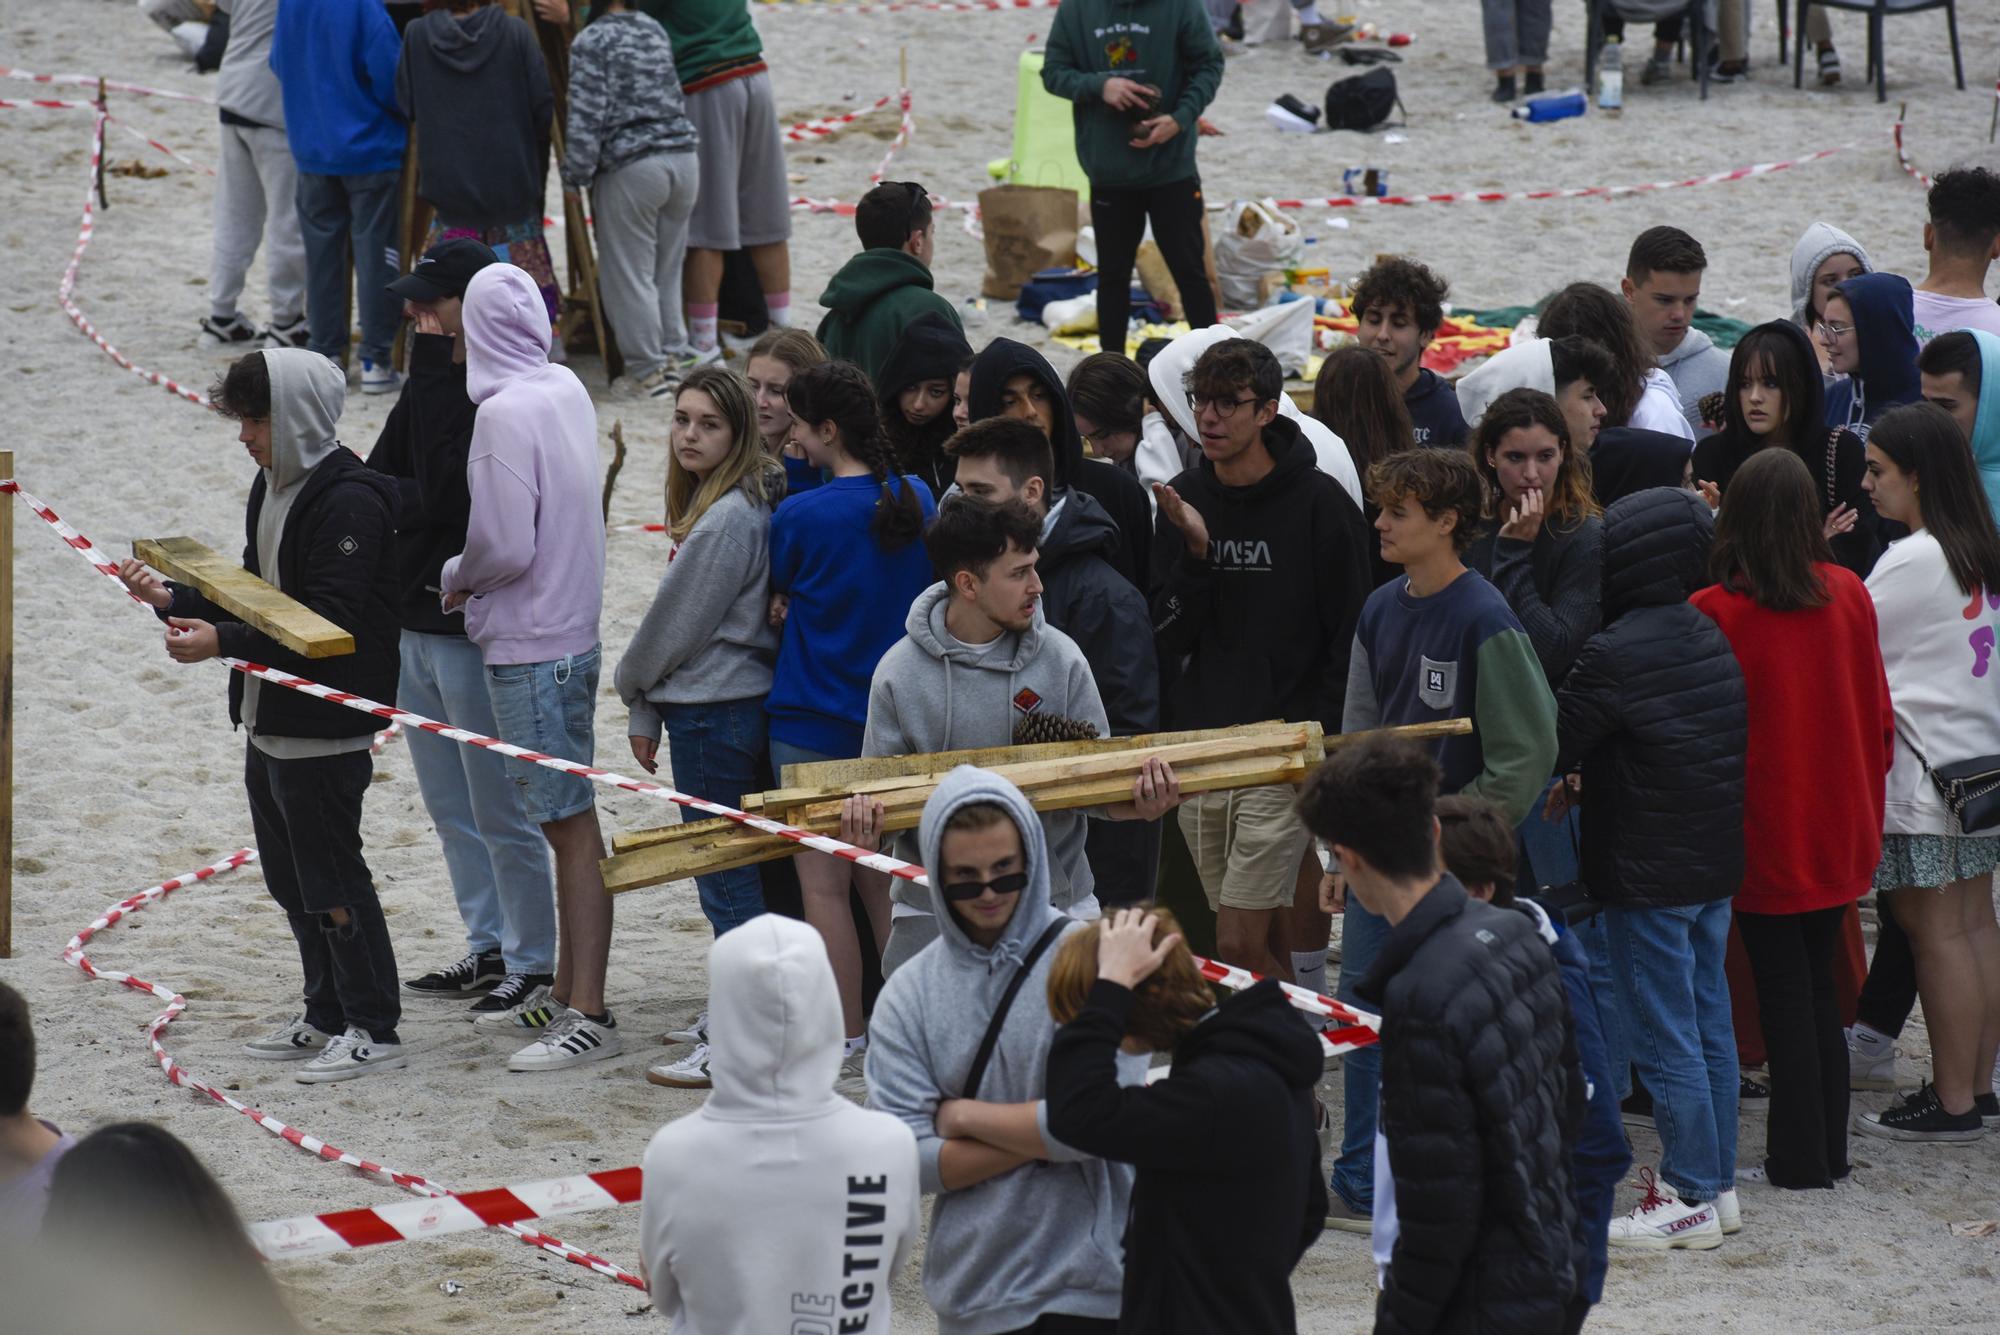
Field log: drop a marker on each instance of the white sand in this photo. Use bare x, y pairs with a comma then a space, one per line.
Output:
127, 773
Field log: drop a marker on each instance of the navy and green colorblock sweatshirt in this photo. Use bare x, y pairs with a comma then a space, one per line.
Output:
1460, 653
1166, 44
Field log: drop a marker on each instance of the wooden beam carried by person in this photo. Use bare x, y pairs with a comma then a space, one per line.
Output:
228, 585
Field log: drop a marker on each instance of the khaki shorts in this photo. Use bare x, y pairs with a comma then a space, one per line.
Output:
1246, 844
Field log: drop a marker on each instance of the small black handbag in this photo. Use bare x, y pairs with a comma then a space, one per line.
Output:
1970, 788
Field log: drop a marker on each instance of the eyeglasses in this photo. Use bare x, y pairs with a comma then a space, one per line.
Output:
918, 196
1011, 884
1223, 408
1832, 333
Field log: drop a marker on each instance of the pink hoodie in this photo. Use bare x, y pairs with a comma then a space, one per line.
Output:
534, 547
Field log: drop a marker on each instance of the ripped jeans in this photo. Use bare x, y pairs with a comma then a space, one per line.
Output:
307, 817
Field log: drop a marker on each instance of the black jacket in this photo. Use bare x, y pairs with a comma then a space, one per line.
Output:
423, 447
338, 557
931, 348
1266, 622
1625, 459
1229, 1193
1482, 1096
1654, 712
1121, 494
1551, 583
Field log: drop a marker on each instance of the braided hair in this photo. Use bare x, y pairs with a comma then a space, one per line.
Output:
839, 392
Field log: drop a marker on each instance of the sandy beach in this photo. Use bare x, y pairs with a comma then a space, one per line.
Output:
126, 772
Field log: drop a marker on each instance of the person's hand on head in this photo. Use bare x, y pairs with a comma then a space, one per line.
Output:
144, 584
1524, 521
191, 641
1154, 131
1126, 954
1185, 518
1128, 94
861, 822
646, 751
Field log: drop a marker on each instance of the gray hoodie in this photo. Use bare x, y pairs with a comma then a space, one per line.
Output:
1045, 1237
1697, 367
932, 693
245, 85
1816, 245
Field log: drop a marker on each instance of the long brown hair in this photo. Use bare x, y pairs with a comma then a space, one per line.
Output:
1924, 443
1165, 1006
1572, 499
1356, 396
747, 465
1768, 534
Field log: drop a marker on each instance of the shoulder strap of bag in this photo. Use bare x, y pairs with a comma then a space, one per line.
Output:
1832, 454
993, 1027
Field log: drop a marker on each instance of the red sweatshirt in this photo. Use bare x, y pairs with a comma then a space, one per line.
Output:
1821, 740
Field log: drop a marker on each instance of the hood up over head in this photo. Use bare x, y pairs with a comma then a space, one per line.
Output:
507, 334
1032, 915
774, 1013
307, 395
1815, 246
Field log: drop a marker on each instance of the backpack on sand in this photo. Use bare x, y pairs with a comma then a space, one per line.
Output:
1362, 101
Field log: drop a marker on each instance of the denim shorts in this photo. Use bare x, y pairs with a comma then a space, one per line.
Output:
552, 708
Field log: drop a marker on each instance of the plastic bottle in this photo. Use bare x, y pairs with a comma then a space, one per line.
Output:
1553, 107
1611, 75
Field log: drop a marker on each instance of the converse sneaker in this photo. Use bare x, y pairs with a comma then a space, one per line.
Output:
1729, 1212
235, 334
1921, 1117
690, 1072
697, 1032
349, 1055
511, 991
1871, 1062
379, 378
1663, 1221
1987, 1105
291, 334
470, 977
1751, 1097
295, 1040
531, 1014
852, 1082
571, 1039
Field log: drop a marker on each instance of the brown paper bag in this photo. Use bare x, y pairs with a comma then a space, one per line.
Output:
1028, 228
1158, 281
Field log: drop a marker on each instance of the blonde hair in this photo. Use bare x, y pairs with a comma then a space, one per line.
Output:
1165, 1006
747, 465
794, 347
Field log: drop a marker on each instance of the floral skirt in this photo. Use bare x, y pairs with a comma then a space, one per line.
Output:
1933, 861
522, 245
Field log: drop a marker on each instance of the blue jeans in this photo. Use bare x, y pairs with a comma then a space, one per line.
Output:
358, 213
552, 708
497, 859
1595, 935
1361, 936
714, 751
1670, 984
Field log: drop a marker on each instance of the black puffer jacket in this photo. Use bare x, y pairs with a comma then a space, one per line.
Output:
1482, 1095
1654, 713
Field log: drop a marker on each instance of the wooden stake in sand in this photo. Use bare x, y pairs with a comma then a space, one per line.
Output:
102, 203
259, 605
7, 715
617, 464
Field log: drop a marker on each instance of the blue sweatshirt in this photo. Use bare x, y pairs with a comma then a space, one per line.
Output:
336, 61
1435, 418
849, 599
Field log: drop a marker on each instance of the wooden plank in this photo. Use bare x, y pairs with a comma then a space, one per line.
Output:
6, 713
228, 585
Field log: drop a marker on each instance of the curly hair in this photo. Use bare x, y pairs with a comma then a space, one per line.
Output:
244, 390
1400, 282
1442, 481
1166, 1005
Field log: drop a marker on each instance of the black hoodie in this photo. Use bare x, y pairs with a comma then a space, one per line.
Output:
1229, 1193
1121, 494
423, 447
1266, 621
476, 93
930, 348
1625, 459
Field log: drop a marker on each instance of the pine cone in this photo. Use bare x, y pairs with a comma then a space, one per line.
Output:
1052, 728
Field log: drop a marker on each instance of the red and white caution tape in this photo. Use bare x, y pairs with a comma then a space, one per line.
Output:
904, 130
1903, 154
819, 128
464, 1212
154, 143
110, 85
45, 104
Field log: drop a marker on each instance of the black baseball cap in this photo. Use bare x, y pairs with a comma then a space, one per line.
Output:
444, 270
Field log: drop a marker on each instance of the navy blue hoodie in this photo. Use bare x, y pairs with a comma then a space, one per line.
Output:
1885, 324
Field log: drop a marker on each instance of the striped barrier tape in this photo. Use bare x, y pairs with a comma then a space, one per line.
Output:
1903, 155
154, 143
906, 128
45, 104
110, 85
809, 131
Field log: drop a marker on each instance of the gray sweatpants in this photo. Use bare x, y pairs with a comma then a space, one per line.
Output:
642, 211
256, 195
1517, 32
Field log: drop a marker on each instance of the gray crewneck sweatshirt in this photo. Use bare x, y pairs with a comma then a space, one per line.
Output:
1046, 1237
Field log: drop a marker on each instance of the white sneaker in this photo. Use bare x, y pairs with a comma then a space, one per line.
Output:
1662, 1221
572, 1039
687, 359
531, 1014
291, 334
379, 378
852, 1083
694, 1033
235, 334
351, 1054
1728, 1212
295, 1040
690, 1072
1870, 1066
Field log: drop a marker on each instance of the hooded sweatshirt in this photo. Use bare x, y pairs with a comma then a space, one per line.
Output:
776, 1199
1625, 459
1529, 365
931, 348
870, 300
1168, 375
534, 541
932, 692
1696, 367
1165, 44
1816, 245
1118, 491
477, 90
1044, 1238
1986, 423
245, 89
320, 527
1887, 374
1434, 416
336, 64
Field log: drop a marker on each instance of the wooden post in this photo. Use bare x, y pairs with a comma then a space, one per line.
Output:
7, 715
103, 151
617, 464
902, 70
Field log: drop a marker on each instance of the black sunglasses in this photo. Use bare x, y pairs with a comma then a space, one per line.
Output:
917, 196
1011, 884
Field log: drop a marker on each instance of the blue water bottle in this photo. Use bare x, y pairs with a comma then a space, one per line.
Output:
1553, 107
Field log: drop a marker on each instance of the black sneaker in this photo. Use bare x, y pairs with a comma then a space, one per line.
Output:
1534, 84
1637, 1109
1504, 90
511, 992
235, 332
1752, 1097
1987, 1105
1922, 1117
470, 977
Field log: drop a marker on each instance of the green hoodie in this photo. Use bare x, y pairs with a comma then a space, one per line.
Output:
871, 300
1165, 43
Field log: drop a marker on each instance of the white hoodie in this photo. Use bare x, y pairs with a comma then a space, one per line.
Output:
778, 1205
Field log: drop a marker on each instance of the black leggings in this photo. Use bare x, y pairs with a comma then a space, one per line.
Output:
1791, 957
1119, 217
